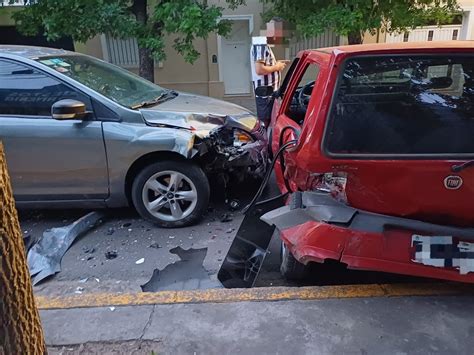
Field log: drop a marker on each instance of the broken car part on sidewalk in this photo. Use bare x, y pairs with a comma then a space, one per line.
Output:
44, 257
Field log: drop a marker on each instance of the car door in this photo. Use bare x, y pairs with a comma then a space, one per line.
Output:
48, 160
291, 111
401, 129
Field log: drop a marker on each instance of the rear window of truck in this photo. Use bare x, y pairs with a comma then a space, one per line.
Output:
394, 105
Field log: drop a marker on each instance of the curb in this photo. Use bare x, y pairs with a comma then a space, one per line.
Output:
267, 294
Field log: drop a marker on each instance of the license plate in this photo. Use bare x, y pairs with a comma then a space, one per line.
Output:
443, 252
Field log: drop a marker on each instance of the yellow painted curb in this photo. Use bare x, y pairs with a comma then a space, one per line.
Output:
251, 295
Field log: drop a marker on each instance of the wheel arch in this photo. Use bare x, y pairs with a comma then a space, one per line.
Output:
145, 160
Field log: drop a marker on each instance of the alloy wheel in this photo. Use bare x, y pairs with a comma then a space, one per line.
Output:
169, 196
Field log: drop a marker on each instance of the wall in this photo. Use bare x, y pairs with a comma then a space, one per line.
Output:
6, 16
202, 77
378, 37
92, 47
467, 32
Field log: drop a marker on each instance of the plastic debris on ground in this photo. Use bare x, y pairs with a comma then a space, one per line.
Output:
44, 257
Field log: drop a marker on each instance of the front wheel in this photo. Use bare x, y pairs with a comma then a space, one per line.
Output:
171, 193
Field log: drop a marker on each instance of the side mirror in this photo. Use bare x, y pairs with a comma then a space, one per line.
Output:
68, 110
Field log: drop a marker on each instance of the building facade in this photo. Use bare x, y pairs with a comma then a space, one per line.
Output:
223, 69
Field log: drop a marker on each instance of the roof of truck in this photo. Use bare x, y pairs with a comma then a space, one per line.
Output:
387, 47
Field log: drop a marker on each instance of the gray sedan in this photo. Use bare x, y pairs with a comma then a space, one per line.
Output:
79, 132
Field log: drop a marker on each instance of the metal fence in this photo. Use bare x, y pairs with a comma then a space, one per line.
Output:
122, 52
327, 39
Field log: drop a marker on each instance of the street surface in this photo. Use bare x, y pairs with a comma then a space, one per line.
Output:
86, 268
89, 266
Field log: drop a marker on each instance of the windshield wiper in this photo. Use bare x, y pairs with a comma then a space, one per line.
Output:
460, 167
165, 95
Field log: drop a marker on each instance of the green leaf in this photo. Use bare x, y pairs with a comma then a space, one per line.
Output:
344, 17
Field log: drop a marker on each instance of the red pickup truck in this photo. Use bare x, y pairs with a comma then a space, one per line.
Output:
379, 174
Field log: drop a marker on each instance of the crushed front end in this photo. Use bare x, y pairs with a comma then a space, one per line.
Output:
235, 150
227, 145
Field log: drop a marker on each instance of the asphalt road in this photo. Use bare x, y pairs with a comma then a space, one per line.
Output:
86, 268
125, 233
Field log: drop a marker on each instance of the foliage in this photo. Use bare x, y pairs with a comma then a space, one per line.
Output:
355, 17
186, 20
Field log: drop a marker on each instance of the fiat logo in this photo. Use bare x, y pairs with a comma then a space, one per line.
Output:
453, 182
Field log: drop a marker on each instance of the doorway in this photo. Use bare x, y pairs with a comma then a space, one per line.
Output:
234, 63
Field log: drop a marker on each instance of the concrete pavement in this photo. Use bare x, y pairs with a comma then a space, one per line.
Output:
356, 320
415, 325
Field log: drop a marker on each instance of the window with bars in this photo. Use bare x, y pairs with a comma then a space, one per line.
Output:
455, 35
327, 39
430, 35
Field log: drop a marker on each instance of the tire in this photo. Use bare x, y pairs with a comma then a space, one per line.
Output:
158, 199
290, 268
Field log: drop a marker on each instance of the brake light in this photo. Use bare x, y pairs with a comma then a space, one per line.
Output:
333, 183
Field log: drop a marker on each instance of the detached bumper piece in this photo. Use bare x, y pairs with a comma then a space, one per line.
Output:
315, 227
247, 253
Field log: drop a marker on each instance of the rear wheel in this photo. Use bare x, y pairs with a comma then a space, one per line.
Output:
171, 193
290, 268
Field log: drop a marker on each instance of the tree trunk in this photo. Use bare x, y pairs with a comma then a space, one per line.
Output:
355, 38
20, 328
147, 64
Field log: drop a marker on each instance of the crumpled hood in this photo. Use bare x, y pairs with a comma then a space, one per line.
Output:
199, 113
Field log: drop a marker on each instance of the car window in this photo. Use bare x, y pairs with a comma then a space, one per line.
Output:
289, 74
310, 74
404, 105
117, 84
302, 93
27, 91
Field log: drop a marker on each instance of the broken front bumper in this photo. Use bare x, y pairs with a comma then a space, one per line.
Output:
225, 155
315, 227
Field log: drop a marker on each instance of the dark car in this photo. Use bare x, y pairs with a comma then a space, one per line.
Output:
79, 132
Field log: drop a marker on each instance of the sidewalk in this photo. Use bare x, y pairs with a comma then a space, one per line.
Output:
298, 321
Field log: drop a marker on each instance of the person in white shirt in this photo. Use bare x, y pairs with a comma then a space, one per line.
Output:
266, 75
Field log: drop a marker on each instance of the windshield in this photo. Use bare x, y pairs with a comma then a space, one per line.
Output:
115, 83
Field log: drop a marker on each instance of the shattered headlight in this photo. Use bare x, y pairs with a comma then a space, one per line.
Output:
241, 138
248, 122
